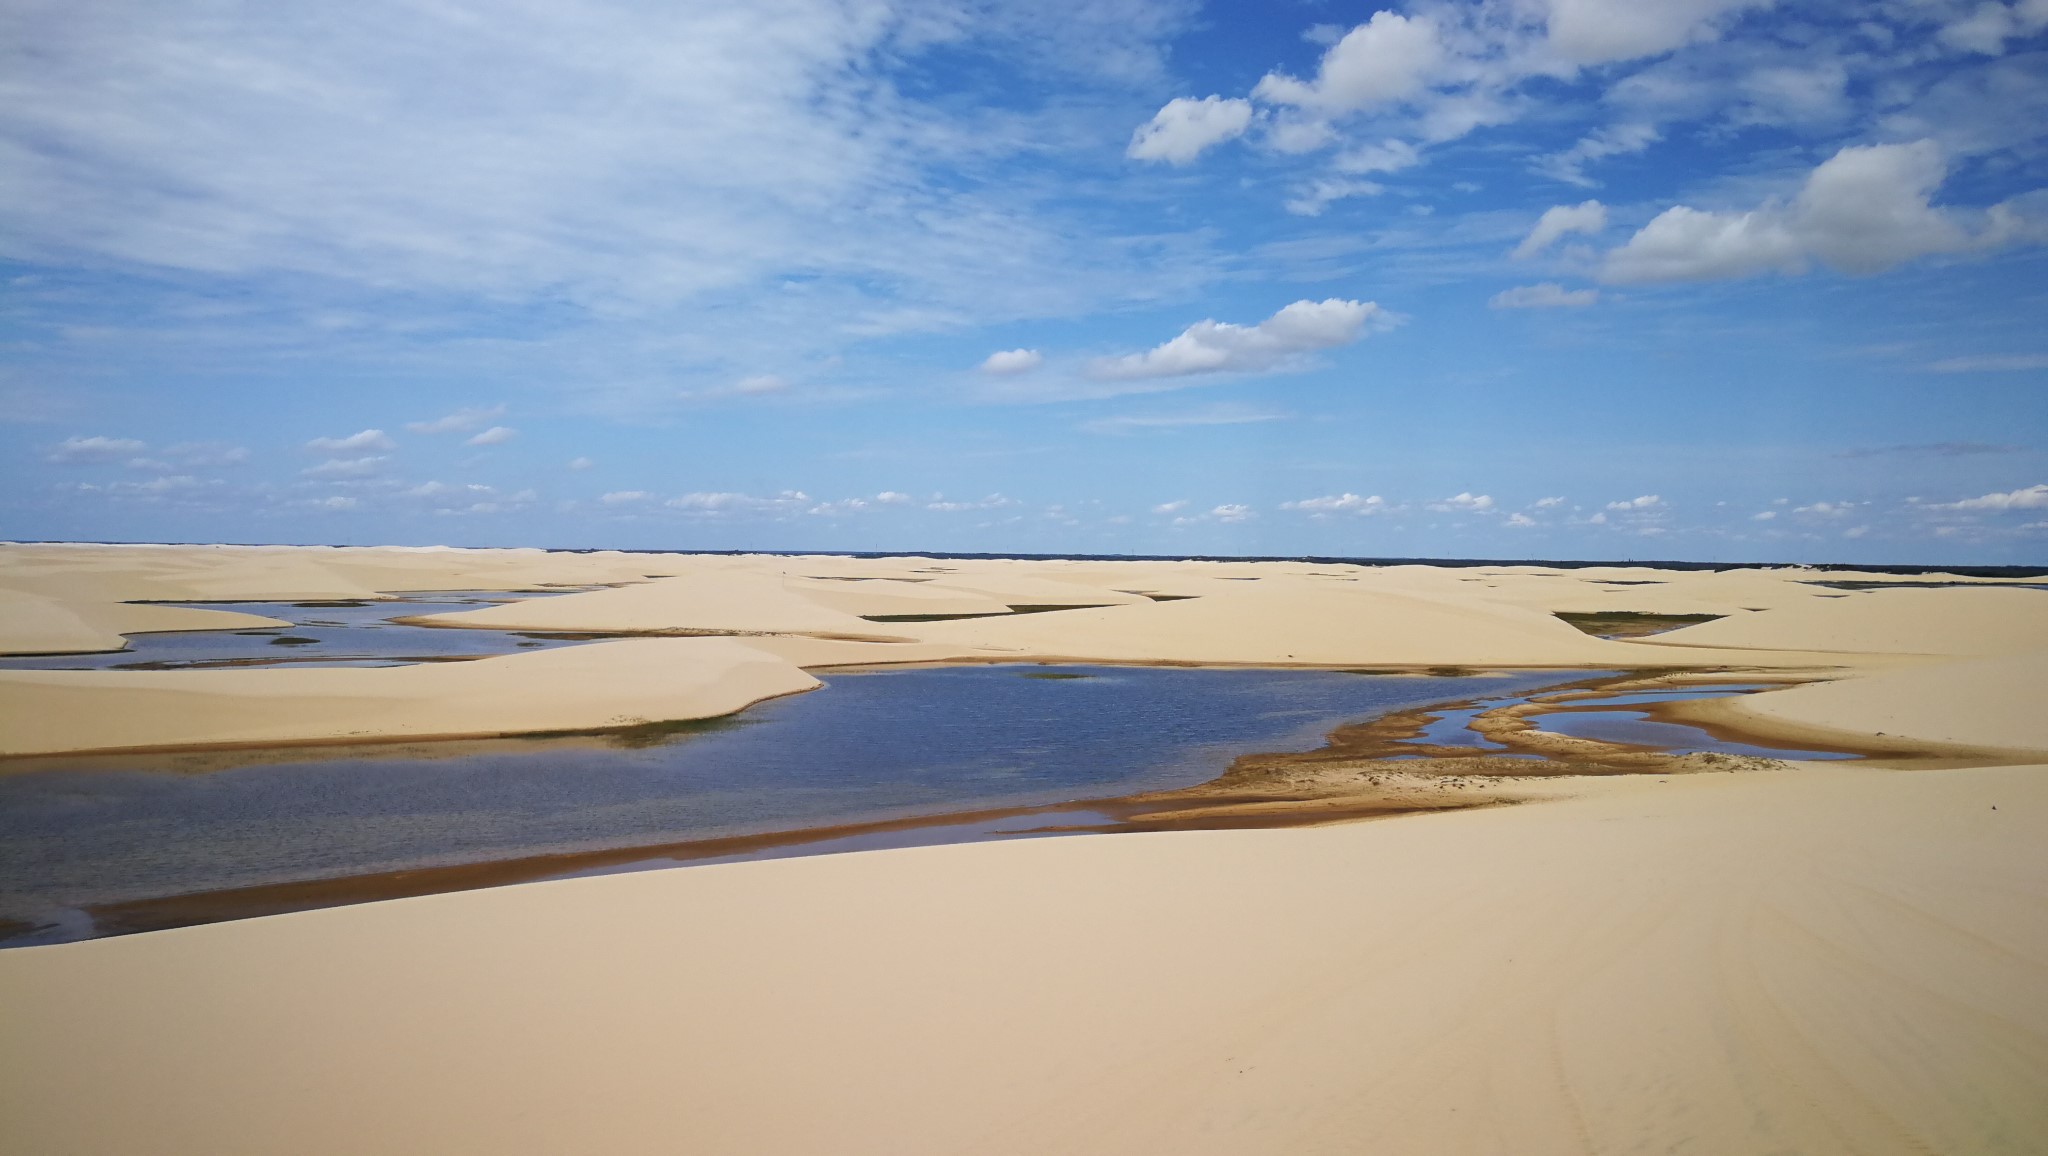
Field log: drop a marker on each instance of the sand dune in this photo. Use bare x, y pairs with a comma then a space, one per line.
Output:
1942, 622
606, 684
1812, 962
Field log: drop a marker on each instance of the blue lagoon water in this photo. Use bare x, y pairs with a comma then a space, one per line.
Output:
866, 747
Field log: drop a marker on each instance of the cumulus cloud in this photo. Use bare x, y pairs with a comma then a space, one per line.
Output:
992, 502
1547, 503
1520, 521
2030, 498
892, 498
1008, 362
1544, 295
95, 449
1388, 58
1345, 503
1221, 347
1170, 507
625, 497
1588, 217
462, 420
1986, 27
580, 463
1232, 512
346, 467
1586, 32
1826, 509
1179, 132
1469, 503
1644, 502
1864, 210
497, 435
369, 439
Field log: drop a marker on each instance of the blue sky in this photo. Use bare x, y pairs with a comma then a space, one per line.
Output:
1701, 279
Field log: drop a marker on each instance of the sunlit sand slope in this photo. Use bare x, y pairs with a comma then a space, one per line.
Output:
606, 684
1831, 961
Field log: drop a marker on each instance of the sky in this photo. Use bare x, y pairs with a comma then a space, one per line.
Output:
1711, 280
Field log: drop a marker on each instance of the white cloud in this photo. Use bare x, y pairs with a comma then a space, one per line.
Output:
497, 435
1826, 509
337, 502
580, 463
1547, 503
1470, 503
2010, 363
1588, 217
892, 498
1855, 531
1584, 32
992, 502
95, 449
1520, 521
760, 383
461, 420
1644, 502
1988, 25
1765, 516
1569, 166
346, 467
1214, 415
1230, 512
1006, 362
625, 497
615, 154
1312, 198
369, 439
1862, 211
1339, 503
723, 503
1170, 507
2030, 498
1544, 295
1220, 347
1388, 58
1179, 132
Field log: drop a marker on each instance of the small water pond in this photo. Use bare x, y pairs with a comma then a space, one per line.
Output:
341, 632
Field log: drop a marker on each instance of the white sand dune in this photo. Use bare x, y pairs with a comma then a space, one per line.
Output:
1941, 622
1819, 962
606, 684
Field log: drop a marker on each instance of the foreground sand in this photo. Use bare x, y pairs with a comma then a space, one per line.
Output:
1810, 959
1816, 962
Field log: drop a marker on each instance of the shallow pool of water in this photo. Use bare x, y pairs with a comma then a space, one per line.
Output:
1636, 727
322, 633
866, 747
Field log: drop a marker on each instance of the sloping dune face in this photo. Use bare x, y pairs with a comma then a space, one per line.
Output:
1962, 621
